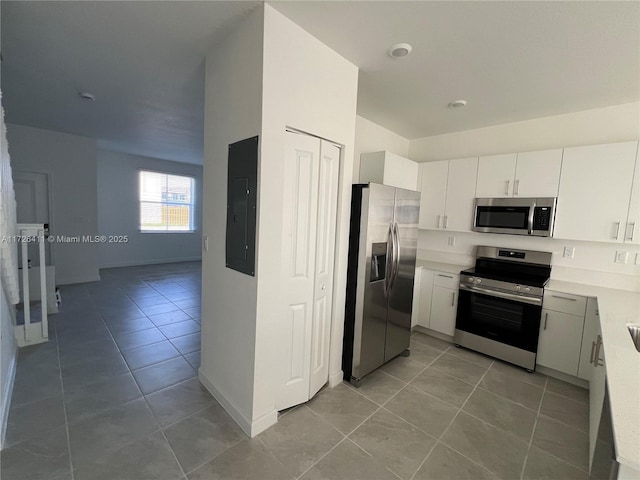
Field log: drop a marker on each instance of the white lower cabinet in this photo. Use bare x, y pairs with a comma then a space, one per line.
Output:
444, 303
589, 335
561, 328
426, 292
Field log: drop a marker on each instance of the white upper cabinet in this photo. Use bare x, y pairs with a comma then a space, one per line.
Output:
538, 174
433, 194
389, 169
595, 193
447, 194
529, 174
496, 175
632, 233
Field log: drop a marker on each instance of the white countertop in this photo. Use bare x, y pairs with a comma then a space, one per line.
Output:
622, 361
441, 267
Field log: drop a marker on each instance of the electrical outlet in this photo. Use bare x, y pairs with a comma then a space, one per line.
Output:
451, 241
569, 252
622, 257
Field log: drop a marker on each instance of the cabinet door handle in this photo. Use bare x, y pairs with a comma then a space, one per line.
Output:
516, 187
633, 228
453, 298
445, 276
546, 318
438, 222
506, 189
597, 362
444, 225
617, 224
593, 350
565, 298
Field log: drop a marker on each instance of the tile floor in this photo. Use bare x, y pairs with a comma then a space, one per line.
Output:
114, 395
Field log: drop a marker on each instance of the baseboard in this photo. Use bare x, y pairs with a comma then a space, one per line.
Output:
74, 280
250, 428
6, 400
550, 372
432, 333
336, 379
157, 261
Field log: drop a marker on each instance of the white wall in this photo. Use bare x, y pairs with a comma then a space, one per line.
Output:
118, 213
309, 87
371, 137
233, 106
70, 162
616, 123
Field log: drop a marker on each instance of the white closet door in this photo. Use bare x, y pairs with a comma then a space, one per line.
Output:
325, 253
300, 205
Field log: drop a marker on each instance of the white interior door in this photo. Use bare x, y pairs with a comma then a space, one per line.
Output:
325, 254
300, 205
32, 205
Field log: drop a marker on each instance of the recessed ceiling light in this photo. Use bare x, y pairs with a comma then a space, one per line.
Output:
87, 96
457, 104
399, 50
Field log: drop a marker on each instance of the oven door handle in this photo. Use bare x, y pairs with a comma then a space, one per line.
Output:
505, 295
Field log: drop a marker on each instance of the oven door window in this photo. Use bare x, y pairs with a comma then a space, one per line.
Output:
506, 321
503, 217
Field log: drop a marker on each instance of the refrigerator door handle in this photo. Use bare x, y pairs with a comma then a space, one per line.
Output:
389, 262
396, 255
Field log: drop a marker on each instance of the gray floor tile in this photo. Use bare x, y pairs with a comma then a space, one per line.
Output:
181, 295
348, 461
379, 386
497, 451
179, 401
423, 353
470, 356
248, 459
188, 303
187, 343
394, 442
403, 368
300, 439
97, 437
41, 458
88, 400
149, 458
147, 301
164, 374
502, 413
193, 312
425, 412
139, 339
200, 437
159, 308
542, 466
462, 369
180, 329
430, 341
443, 463
150, 354
129, 325
29, 420
509, 384
566, 410
35, 382
93, 371
562, 441
342, 407
574, 392
89, 351
443, 386
169, 317
118, 316
193, 359
76, 336
519, 374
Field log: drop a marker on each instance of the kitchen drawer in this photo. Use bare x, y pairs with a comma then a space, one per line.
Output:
446, 280
564, 302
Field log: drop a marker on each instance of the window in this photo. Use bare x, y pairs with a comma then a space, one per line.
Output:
166, 202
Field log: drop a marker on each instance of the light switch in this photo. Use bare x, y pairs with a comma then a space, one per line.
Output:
569, 252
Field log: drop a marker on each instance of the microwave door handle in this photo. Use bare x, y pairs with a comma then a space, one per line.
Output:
532, 212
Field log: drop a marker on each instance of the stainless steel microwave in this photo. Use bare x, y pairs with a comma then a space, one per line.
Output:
515, 216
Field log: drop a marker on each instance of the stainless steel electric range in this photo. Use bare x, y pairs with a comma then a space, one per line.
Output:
500, 303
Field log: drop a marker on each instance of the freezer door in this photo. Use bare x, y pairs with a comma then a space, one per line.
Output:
371, 307
406, 212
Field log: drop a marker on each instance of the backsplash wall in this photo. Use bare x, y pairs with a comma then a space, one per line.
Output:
592, 262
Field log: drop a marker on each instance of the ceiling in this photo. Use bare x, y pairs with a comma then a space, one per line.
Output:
144, 61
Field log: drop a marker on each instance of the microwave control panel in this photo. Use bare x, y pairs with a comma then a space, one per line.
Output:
542, 218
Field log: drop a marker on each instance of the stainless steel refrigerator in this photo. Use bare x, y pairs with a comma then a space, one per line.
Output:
382, 258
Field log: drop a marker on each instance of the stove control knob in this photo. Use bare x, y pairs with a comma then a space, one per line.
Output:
518, 288
478, 280
470, 279
527, 289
